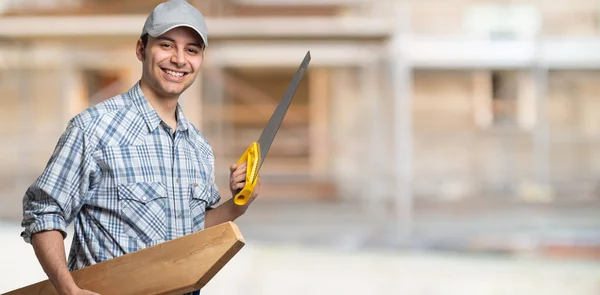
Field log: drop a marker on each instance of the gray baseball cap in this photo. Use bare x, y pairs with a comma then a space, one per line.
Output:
175, 13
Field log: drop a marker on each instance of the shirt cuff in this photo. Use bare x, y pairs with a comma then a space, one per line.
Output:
46, 223
215, 198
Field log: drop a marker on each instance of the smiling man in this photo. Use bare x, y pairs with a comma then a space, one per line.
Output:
132, 171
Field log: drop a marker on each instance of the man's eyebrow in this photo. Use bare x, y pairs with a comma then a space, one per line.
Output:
165, 38
172, 40
196, 44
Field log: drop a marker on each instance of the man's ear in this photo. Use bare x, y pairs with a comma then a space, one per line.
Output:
140, 50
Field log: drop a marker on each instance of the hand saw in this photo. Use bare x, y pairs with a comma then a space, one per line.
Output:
256, 153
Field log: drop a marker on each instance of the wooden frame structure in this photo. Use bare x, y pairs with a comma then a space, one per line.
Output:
171, 268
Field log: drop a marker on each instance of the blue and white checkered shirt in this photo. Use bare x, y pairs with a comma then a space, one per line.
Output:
126, 180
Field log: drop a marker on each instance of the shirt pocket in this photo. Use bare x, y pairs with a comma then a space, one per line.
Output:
199, 200
143, 214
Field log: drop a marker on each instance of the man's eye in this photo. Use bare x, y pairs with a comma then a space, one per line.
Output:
165, 45
192, 51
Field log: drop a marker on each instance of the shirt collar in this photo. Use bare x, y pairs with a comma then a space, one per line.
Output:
182, 122
150, 115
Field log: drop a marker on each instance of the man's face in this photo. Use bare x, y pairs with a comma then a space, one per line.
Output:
170, 62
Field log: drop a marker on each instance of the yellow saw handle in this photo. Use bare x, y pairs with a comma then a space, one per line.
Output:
252, 158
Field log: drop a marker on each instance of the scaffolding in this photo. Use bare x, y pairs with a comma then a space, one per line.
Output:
372, 67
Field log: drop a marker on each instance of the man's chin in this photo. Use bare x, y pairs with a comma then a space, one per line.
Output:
173, 91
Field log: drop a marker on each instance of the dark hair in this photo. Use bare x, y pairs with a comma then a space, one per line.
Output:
144, 44
144, 39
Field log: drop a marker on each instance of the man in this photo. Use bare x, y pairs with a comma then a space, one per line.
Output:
132, 171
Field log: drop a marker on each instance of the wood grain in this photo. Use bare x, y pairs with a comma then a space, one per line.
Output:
174, 267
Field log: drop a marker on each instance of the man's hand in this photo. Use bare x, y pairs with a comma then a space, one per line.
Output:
237, 181
229, 211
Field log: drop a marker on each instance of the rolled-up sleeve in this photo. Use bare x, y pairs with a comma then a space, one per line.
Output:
57, 195
215, 197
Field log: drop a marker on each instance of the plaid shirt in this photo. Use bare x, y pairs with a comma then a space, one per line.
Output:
126, 180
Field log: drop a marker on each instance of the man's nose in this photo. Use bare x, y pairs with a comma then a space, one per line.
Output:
178, 58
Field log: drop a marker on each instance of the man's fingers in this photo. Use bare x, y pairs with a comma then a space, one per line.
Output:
239, 178
239, 185
241, 170
236, 166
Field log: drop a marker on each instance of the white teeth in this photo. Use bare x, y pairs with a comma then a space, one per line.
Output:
175, 74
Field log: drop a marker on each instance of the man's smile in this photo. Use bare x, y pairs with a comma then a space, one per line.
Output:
173, 73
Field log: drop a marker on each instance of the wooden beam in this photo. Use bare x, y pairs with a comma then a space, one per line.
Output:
526, 103
258, 115
221, 27
482, 98
105, 7
303, 2
285, 54
291, 142
319, 120
285, 10
234, 54
174, 267
250, 94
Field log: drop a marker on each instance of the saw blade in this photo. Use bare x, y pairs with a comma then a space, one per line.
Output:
268, 134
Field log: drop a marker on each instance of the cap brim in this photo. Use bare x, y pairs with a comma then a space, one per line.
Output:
167, 27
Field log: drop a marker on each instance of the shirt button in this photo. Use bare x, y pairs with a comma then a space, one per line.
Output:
144, 198
177, 180
179, 215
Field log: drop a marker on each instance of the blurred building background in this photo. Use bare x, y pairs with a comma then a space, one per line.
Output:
431, 125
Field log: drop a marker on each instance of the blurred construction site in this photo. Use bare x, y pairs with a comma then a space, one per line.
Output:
434, 146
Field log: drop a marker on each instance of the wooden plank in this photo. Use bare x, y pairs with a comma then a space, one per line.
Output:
174, 267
